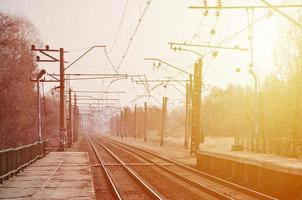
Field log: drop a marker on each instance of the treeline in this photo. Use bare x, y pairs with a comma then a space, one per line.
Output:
279, 100
18, 95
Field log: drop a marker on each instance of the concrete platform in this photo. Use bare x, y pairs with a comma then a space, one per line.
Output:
59, 175
268, 173
268, 161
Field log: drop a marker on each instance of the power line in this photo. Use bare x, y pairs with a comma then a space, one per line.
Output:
43, 16
282, 13
110, 62
134, 33
230, 37
119, 27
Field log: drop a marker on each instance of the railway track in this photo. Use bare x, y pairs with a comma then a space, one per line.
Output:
215, 187
165, 184
124, 183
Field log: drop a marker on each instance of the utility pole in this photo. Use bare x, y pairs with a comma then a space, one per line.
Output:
121, 124
163, 120
111, 125
39, 125
126, 122
39, 110
69, 132
62, 100
145, 123
116, 126
62, 86
196, 135
40, 74
188, 112
91, 124
75, 119
135, 128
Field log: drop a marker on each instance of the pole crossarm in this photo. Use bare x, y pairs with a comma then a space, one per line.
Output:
267, 5
98, 92
245, 7
173, 66
90, 78
98, 106
178, 81
97, 99
92, 74
160, 81
207, 46
94, 103
49, 81
175, 48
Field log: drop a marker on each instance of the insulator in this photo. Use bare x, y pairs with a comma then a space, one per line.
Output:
213, 31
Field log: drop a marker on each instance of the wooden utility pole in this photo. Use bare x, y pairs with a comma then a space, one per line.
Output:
111, 126
62, 85
62, 100
91, 124
39, 120
145, 122
69, 130
121, 124
187, 123
75, 119
39, 110
135, 128
116, 126
163, 120
126, 122
196, 135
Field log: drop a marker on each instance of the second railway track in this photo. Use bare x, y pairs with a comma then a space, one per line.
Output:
197, 182
124, 183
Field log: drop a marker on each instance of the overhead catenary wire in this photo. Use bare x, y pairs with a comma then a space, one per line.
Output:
134, 34
119, 27
110, 62
233, 35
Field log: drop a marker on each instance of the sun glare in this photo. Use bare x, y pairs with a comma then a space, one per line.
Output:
265, 42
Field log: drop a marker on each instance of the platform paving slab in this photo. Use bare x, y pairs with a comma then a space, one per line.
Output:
59, 175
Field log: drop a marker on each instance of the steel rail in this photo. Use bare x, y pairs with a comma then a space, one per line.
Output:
107, 176
242, 189
153, 194
176, 174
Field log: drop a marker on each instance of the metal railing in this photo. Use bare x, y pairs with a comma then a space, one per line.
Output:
15, 159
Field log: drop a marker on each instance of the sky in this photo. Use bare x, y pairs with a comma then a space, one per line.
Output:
76, 25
